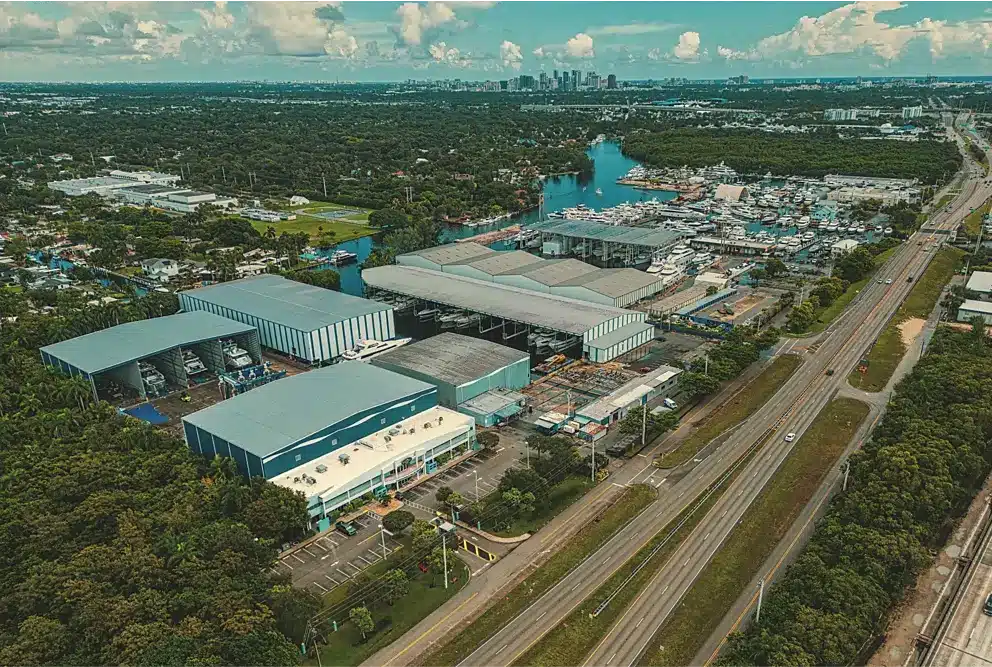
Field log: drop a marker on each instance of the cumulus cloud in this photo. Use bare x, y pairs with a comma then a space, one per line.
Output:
510, 55
855, 28
300, 29
540, 53
441, 53
580, 46
734, 54
688, 46
417, 20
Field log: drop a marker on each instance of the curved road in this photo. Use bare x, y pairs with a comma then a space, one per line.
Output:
791, 409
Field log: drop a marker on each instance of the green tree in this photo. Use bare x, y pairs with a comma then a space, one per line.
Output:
442, 494
436, 561
395, 584
854, 265
698, 384
488, 440
397, 520
520, 503
711, 290
362, 619
775, 267
388, 219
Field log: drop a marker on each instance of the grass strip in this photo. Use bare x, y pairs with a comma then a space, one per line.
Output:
973, 223
346, 646
591, 537
888, 350
762, 527
342, 229
831, 312
578, 634
734, 411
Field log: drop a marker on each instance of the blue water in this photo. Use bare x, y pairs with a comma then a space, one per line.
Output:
561, 192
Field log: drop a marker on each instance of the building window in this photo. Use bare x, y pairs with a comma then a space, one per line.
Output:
299, 457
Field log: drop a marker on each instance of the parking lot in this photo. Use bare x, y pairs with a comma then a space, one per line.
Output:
333, 559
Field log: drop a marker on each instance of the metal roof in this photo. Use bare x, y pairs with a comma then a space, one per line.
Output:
452, 358
975, 306
555, 272
287, 302
285, 412
453, 253
520, 305
980, 281
513, 261
608, 340
124, 343
628, 394
587, 229
614, 282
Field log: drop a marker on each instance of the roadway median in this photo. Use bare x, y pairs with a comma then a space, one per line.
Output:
760, 529
585, 626
600, 529
735, 410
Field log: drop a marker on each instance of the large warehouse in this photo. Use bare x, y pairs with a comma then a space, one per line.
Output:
565, 277
333, 433
116, 352
301, 320
469, 373
508, 311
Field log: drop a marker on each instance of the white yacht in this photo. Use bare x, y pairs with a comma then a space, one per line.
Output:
368, 348
887, 230
803, 222
680, 256
671, 274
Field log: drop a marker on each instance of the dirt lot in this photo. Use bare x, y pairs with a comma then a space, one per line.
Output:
910, 329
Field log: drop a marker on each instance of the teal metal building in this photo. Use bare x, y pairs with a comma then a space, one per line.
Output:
474, 376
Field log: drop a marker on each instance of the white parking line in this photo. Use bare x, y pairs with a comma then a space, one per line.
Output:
343, 573
364, 560
377, 557
318, 544
298, 558
312, 554
327, 539
357, 569
320, 587
332, 580
286, 564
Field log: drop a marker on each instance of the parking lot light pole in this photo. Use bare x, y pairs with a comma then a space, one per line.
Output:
476, 485
383, 532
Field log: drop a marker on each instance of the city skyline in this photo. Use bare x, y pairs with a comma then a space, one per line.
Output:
479, 41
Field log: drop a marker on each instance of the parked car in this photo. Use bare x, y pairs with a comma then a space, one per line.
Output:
346, 527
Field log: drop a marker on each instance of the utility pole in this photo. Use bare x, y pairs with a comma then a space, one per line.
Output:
527, 445
382, 534
644, 422
224, 174
5, 129
847, 471
324, 179
444, 556
593, 460
476, 485
568, 403
706, 367
761, 593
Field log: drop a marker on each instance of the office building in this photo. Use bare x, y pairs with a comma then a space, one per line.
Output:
911, 112
611, 81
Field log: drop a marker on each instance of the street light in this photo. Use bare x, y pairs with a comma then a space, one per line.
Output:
382, 533
476, 472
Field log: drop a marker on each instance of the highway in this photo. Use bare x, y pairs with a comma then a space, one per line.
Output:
791, 409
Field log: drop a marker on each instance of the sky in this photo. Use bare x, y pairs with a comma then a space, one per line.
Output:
391, 41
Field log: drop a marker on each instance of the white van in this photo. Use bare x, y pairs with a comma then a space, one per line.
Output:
670, 404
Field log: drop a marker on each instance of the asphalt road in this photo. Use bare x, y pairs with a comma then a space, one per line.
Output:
792, 409
968, 640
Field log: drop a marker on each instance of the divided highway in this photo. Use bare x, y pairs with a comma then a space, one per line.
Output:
791, 409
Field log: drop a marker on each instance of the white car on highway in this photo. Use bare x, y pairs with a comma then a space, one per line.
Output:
789, 437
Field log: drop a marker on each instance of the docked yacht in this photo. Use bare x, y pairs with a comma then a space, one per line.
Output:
681, 256
887, 230
803, 222
340, 257
671, 274
369, 348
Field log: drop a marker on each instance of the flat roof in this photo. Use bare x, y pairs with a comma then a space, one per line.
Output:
616, 336
124, 343
491, 402
281, 413
975, 306
153, 189
453, 253
513, 261
295, 305
556, 271
614, 282
372, 453
587, 229
628, 393
520, 305
980, 281
453, 358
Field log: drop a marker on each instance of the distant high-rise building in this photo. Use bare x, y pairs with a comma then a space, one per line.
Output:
504, 85
911, 112
840, 114
556, 75
576, 79
544, 81
611, 81
526, 82
592, 80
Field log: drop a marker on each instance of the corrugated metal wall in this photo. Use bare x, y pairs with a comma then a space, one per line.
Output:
601, 355
513, 376
321, 344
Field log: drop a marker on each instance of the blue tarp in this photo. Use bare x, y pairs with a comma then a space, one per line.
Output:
147, 412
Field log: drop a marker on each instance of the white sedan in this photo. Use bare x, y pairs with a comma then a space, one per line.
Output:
789, 437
